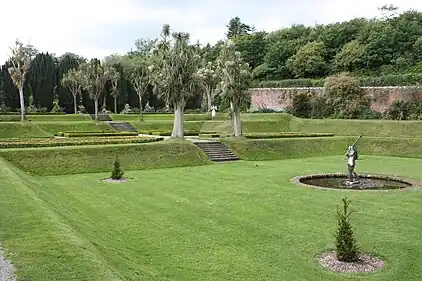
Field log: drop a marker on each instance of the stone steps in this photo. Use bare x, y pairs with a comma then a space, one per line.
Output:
122, 127
216, 151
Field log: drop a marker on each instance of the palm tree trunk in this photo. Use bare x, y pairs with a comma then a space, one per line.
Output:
178, 122
141, 110
115, 105
237, 125
22, 101
96, 109
75, 105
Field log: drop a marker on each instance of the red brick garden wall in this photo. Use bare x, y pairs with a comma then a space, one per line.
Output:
280, 98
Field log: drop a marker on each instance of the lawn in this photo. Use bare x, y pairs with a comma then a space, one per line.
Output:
235, 221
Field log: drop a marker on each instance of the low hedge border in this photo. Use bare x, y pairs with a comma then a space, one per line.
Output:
95, 134
53, 142
286, 135
168, 133
31, 113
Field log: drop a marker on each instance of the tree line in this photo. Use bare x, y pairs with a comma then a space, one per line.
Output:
173, 70
391, 44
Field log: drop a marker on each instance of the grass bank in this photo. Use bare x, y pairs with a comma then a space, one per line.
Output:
275, 149
93, 159
203, 223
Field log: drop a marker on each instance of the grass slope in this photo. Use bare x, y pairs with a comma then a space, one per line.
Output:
81, 126
41, 242
206, 224
275, 149
21, 130
91, 159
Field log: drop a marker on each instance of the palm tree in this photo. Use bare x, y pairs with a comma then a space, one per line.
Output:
20, 59
94, 78
73, 80
235, 76
173, 72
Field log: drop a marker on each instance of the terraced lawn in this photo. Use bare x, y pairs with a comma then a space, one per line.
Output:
238, 221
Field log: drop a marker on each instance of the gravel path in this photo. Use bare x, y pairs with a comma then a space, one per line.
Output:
6, 269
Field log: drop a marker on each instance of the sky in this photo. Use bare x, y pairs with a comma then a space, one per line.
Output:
97, 28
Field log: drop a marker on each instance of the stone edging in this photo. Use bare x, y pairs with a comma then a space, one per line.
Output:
415, 184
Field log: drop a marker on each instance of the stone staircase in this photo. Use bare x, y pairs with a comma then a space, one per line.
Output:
122, 127
216, 151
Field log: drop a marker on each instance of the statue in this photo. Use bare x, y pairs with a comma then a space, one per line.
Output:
352, 177
213, 109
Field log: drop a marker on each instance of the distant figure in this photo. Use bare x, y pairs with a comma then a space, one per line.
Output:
213, 109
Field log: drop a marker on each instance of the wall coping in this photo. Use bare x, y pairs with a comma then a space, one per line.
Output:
319, 88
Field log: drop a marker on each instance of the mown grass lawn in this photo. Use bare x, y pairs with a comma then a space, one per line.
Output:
236, 221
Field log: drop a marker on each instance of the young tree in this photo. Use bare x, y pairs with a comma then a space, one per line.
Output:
73, 80
347, 249
20, 59
235, 77
173, 68
117, 172
139, 78
94, 78
209, 80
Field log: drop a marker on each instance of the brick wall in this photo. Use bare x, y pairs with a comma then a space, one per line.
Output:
280, 98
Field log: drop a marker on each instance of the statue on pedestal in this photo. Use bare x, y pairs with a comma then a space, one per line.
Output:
213, 109
351, 154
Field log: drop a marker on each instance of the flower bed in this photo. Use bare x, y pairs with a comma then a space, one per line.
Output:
53, 142
95, 134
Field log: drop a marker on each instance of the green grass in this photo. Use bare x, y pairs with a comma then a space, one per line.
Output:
48, 117
204, 223
276, 149
385, 128
81, 126
92, 159
21, 130
166, 125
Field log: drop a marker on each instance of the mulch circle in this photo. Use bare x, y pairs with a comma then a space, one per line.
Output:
114, 181
366, 263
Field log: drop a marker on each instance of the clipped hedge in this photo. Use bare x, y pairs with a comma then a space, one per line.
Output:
31, 113
96, 134
286, 135
54, 142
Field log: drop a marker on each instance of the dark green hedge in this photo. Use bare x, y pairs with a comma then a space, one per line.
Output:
53, 142
31, 113
286, 135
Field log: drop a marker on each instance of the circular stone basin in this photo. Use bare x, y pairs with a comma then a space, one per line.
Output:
365, 182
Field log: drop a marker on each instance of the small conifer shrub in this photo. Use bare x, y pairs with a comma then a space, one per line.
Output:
117, 172
347, 249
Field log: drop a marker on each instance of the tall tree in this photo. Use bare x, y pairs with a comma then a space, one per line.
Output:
20, 59
94, 78
235, 82
208, 78
173, 73
237, 27
138, 77
42, 76
73, 80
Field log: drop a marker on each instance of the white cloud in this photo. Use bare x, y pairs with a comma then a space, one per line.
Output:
60, 26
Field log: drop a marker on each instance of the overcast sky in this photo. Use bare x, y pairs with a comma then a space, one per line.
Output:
96, 28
